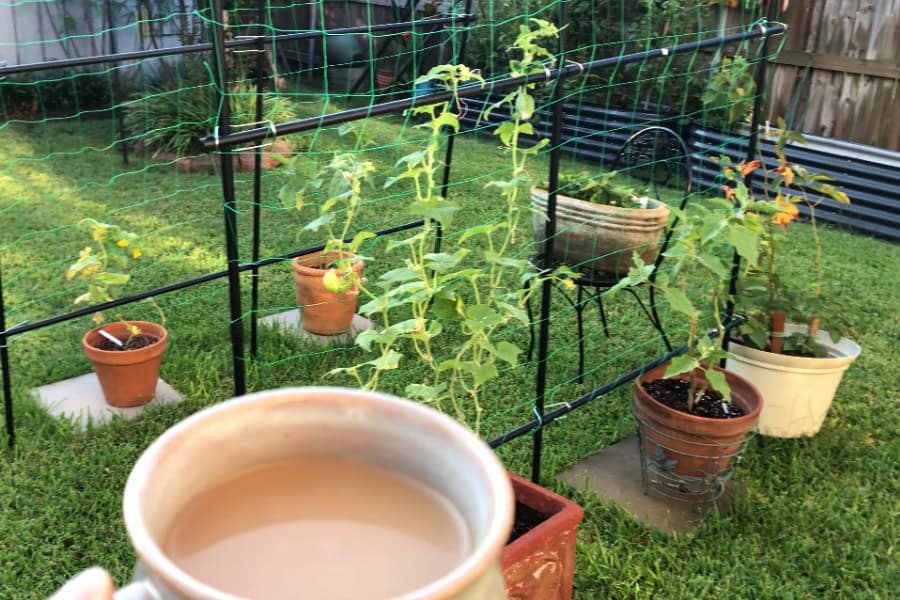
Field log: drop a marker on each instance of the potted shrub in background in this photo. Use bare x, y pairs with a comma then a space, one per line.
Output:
464, 291
326, 280
126, 354
601, 222
782, 348
693, 416
183, 110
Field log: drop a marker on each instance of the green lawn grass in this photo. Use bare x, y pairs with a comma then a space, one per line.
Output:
819, 517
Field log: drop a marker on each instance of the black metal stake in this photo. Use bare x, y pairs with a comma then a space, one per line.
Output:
118, 114
752, 149
448, 154
257, 182
4, 367
549, 237
231, 233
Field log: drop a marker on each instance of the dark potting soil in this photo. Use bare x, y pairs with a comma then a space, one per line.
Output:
525, 520
674, 394
137, 342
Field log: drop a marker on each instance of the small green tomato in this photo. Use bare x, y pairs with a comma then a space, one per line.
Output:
336, 284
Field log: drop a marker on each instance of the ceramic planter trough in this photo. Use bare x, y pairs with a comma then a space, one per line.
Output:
599, 237
798, 390
540, 564
128, 378
690, 447
324, 312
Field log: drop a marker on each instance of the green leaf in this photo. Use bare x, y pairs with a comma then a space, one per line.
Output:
113, 278
745, 242
359, 238
485, 229
401, 275
439, 210
525, 105
86, 265
717, 381
387, 362
485, 372
423, 392
447, 306
516, 312
447, 119
680, 302
505, 131
443, 261
520, 264
316, 224
712, 263
681, 364
507, 352
482, 316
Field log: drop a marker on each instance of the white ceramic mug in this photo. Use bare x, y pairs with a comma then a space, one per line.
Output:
269, 426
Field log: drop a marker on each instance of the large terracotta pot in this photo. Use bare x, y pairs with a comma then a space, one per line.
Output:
324, 312
689, 445
258, 429
540, 565
599, 237
128, 378
797, 390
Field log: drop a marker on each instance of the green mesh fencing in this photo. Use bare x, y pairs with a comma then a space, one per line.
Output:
118, 142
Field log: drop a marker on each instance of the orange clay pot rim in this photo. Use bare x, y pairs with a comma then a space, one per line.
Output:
753, 414
164, 335
299, 261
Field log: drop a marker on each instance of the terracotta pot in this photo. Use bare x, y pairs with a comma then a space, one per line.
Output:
258, 429
540, 564
797, 390
324, 312
599, 237
689, 445
128, 378
384, 78
280, 147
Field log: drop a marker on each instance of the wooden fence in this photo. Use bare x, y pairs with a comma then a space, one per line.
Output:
838, 74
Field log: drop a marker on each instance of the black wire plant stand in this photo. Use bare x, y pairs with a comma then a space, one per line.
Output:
261, 133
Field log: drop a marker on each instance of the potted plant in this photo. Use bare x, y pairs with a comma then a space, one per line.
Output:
326, 280
461, 294
693, 416
601, 222
395, 47
183, 110
782, 347
126, 354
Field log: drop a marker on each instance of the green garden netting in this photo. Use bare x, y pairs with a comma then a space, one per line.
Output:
118, 142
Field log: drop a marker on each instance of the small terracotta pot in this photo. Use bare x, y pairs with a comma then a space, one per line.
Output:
128, 378
247, 160
694, 446
540, 565
324, 312
384, 78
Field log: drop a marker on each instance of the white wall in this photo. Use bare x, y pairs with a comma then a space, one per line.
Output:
27, 33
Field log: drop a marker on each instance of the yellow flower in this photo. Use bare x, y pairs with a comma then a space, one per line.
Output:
122, 243
568, 284
98, 233
136, 253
